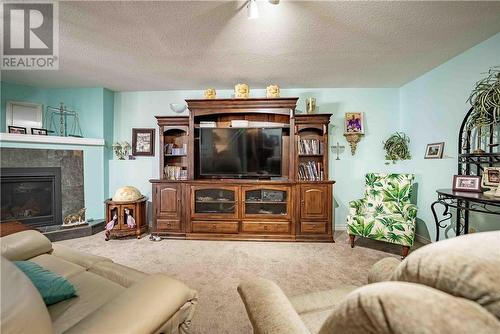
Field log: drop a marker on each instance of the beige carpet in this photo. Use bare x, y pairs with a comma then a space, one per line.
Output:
214, 268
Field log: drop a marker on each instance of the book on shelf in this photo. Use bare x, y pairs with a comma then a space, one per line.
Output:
175, 173
311, 171
309, 146
208, 124
173, 149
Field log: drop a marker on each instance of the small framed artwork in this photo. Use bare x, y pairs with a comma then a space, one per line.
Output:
143, 142
491, 176
469, 183
434, 151
353, 123
17, 129
37, 131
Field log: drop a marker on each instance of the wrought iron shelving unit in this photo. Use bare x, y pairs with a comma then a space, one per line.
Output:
471, 161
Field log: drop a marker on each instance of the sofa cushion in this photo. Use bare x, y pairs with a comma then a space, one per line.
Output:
52, 287
93, 291
314, 308
406, 308
467, 266
57, 265
25, 245
82, 259
22, 307
117, 273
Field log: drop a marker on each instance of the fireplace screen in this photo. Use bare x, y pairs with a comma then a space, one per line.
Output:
31, 196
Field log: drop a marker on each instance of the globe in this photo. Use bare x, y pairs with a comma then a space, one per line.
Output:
127, 194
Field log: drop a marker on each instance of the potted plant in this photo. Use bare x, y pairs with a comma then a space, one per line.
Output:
396, 147
485, 102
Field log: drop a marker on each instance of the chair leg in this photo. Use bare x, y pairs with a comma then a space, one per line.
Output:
352, 237
404, 252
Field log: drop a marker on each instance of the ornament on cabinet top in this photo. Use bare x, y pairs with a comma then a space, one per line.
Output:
272, 91
241, 91
210, 93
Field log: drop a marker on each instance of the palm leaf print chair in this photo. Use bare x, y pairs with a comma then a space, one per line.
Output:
385, 213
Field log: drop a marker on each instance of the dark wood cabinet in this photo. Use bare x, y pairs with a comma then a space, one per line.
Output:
312, 202
120, 212
167, 208
292, 207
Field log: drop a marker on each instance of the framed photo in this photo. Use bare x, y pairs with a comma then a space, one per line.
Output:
491, 176
37, 131
143, 142
17, 129
353, 122
23, 114
434, 151
468, 183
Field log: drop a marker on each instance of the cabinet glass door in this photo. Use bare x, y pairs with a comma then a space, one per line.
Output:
215, 201
270, 202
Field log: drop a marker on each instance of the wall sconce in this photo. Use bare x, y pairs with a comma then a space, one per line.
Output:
353, 140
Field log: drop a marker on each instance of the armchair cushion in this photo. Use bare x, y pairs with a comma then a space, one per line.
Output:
406, 308
467, 266
393, 228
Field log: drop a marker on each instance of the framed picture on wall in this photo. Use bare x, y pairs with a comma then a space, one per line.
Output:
434, 151
143, 142
468, 183
353, 123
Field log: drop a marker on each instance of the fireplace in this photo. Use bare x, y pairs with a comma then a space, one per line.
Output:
31, 195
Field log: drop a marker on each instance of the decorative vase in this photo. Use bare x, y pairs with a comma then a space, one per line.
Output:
311, 105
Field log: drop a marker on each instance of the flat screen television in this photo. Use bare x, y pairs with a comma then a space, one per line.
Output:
240, 152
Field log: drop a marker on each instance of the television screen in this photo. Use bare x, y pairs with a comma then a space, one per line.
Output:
240, 152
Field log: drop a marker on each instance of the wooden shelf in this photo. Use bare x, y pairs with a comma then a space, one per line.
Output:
175, 155
265, 202
215, 201
311, 155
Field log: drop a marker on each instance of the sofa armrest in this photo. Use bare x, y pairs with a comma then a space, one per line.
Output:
382, 270
269, 310
143, 308
357, 206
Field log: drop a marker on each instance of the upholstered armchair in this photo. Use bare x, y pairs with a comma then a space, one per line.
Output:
385, 213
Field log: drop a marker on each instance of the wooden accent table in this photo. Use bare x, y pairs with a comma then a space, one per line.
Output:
137, 209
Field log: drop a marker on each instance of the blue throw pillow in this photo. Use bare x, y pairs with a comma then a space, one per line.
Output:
52, 287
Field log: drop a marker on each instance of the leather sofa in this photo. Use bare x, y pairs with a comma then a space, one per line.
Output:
111, 298
452, 286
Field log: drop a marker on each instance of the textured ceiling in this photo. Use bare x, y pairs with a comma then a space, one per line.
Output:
195, 45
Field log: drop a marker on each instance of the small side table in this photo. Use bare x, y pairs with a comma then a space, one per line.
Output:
137, 209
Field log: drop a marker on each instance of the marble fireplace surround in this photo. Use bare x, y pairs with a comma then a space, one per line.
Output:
70, 162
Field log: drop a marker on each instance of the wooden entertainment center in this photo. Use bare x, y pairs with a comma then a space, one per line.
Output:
297, 206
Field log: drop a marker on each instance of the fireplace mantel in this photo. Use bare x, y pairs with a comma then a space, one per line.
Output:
20, 138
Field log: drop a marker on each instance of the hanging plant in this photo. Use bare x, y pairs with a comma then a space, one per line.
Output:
485, 101
396, 147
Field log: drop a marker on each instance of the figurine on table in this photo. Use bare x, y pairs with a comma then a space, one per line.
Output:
109, 226
130, 219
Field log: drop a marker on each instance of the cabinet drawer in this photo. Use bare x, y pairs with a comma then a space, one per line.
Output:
214, 227
266, 227
313, 227
168, 225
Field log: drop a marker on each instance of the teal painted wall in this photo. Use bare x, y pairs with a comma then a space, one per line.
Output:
95, 107
380, 107
432, 108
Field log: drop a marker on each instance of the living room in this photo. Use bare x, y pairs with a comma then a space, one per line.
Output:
250, 166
